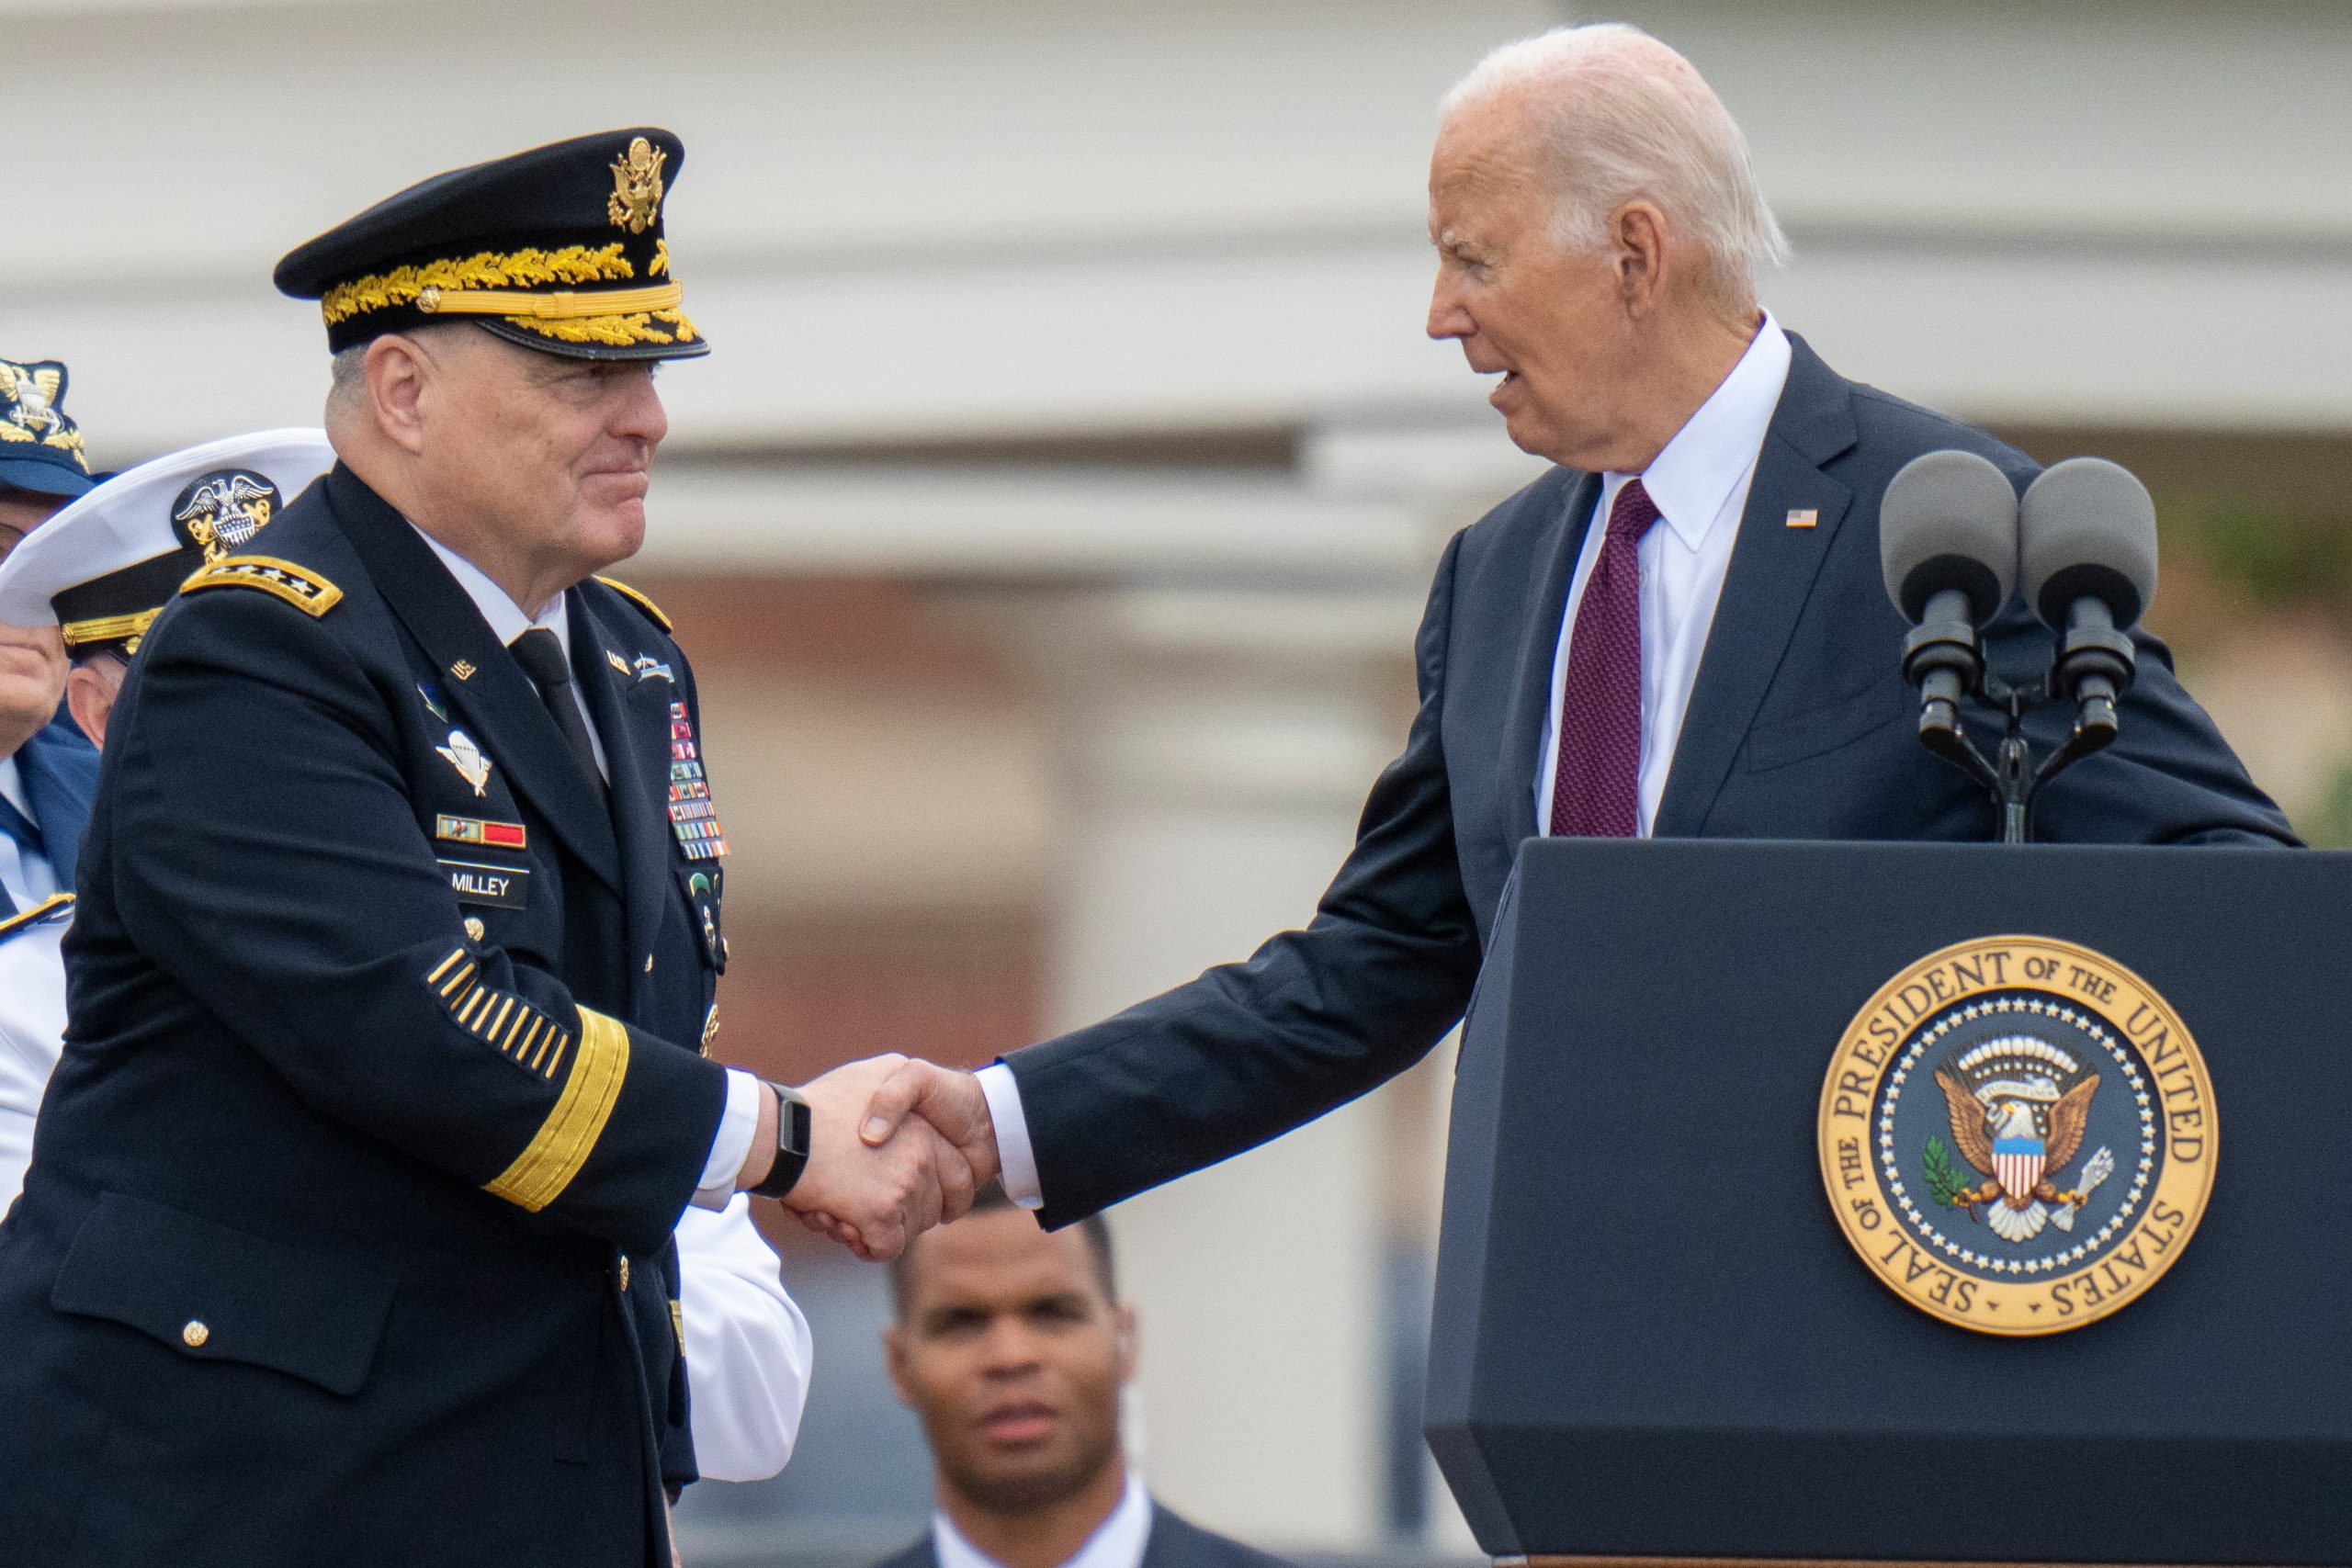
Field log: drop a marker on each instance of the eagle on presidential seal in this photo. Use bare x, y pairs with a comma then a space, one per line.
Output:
2019, 1110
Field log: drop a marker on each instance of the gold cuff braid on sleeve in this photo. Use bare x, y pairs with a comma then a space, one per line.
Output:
569, 1135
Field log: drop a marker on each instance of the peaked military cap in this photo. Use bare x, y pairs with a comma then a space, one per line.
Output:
560, 249
41, 449
105, 566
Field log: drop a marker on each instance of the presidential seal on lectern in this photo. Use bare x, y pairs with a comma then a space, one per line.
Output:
2017, 1135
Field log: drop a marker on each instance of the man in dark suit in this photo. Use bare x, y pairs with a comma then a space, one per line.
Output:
1011, 1345
1679, 631
347, 1236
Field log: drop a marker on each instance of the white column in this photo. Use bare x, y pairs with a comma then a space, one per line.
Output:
1219, 749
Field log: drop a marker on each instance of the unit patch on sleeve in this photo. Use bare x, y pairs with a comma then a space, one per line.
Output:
693, 816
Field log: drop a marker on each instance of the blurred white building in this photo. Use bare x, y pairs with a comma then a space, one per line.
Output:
1053, 516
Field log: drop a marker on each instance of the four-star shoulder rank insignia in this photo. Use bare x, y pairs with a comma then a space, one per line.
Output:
298, 586
462, 754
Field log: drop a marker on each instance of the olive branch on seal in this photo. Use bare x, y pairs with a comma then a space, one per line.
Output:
1946, 1184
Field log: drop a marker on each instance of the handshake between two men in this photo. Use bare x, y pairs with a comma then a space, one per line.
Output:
897, 1145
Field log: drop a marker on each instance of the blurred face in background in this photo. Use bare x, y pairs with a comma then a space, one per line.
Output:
32, 663
1011, 1351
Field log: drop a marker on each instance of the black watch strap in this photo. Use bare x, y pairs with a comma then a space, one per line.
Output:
791, 1143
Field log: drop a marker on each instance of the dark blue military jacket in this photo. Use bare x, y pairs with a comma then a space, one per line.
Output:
347, 1237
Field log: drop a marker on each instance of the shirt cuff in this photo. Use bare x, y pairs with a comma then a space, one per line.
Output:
1016, 1161
732, 1144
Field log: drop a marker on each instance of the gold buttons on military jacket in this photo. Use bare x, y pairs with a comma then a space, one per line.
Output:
624, 1273
649, 964
474, 928
195, 1333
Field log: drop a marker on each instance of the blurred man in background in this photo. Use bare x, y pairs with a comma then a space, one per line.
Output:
1012, 1346
48, 771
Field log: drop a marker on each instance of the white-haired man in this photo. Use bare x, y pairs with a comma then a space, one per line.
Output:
1679, 631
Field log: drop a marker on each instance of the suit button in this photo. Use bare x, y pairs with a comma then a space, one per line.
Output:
195, 1333
649, 964
624, 1279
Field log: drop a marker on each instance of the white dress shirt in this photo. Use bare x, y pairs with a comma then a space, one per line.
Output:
32, 1036
747, 1343
1117, 1542
1699, 484
25, 874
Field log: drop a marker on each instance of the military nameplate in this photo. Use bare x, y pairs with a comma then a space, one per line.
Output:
500, 886
2017, 1135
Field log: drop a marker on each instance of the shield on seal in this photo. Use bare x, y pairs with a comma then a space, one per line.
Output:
2016, 1166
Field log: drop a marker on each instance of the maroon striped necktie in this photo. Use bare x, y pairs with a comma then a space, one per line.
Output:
1595, 793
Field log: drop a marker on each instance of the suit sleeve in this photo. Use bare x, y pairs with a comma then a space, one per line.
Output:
1312, 1020
268, 857
2169, 777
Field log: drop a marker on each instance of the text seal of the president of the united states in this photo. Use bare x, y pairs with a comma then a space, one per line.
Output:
2017, 1135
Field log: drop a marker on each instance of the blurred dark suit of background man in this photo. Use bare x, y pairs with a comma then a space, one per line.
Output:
1011, 1345
1681, 630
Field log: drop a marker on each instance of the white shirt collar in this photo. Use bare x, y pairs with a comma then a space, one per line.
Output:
12, 787
1117, 1542
507, 620
1716, 449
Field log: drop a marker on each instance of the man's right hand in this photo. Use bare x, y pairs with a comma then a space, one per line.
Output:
874, 1197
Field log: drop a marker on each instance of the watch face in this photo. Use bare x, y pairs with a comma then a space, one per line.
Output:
794, 1126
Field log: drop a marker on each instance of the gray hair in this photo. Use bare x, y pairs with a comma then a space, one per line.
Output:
347, 379
1624, 118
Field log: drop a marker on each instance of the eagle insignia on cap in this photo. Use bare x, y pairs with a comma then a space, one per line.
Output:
30, 396
218, 512
636, 201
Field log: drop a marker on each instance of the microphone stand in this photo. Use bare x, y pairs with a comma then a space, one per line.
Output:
2094, 664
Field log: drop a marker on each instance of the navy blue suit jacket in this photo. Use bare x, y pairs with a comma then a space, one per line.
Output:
1175, 1542
1800, 725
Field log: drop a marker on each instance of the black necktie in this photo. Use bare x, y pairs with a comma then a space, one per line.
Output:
541, 657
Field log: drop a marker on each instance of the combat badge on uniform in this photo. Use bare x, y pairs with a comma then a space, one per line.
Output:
2017, 1135
693, 816
462, 754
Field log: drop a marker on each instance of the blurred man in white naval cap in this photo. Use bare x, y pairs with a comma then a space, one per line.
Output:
47, 769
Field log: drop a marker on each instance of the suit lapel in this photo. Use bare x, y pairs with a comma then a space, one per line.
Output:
1771, 574
635, 731
1531, 692
483, 678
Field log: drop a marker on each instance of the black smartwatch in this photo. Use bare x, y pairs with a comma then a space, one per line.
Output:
791, 1143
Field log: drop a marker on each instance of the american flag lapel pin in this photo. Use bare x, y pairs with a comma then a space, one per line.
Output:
1806, 518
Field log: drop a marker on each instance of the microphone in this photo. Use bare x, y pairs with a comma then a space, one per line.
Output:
1948, 549
2087, 543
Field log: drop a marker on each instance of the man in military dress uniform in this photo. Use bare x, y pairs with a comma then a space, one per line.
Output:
347, 1237
47, 769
